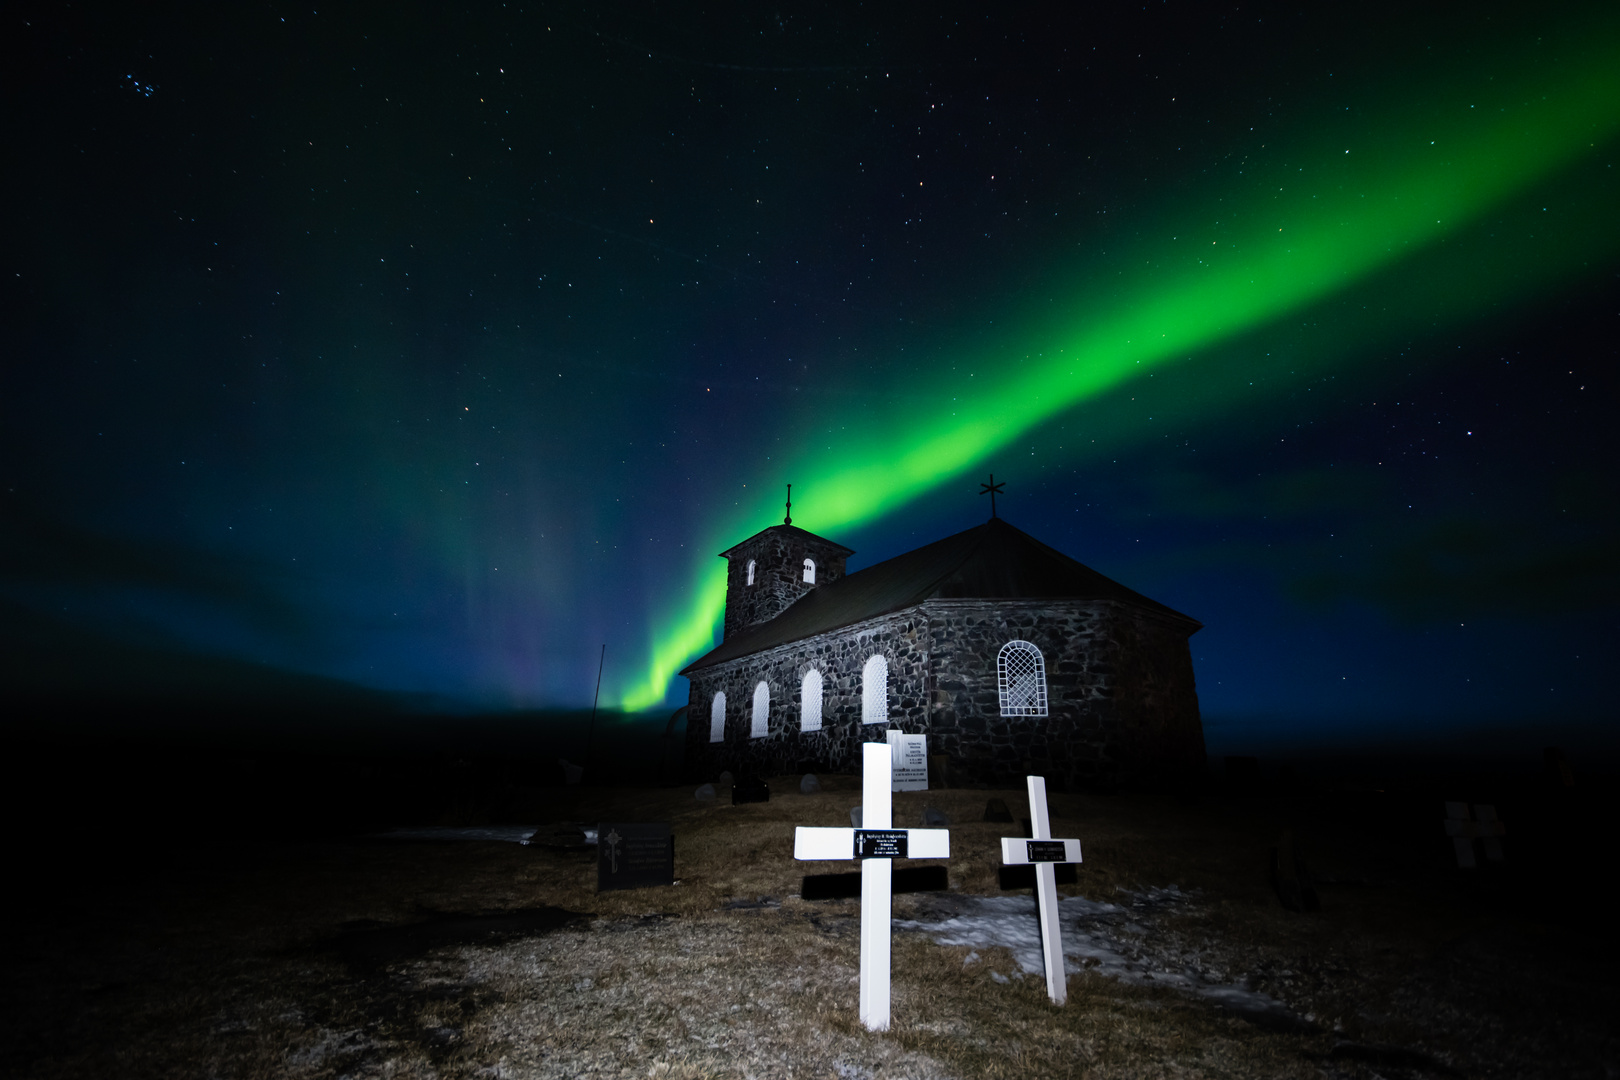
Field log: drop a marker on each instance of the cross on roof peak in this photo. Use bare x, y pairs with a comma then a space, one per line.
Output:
787, 519
990, 489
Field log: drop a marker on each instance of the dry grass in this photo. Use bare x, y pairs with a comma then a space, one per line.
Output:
226, 966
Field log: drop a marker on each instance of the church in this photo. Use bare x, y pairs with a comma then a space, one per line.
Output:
1012, 657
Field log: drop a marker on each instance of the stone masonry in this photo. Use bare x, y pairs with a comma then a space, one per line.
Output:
1122, 705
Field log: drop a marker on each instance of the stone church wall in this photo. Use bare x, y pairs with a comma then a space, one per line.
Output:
1122, 705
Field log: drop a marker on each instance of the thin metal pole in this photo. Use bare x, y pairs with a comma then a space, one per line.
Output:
590, 735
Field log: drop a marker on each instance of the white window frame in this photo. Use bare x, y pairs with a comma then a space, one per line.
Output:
750, 580
875, 690
717, 717
1021, 679
809, 571
761, 723
810, 691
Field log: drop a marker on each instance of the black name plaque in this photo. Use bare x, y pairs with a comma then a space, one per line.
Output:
881, 843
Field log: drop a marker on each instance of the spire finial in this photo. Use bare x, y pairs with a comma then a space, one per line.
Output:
990, 489
788, 518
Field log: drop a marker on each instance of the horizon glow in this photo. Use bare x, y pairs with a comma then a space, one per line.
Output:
1322, 219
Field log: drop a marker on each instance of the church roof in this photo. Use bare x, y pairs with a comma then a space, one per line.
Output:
789, 530
993, 561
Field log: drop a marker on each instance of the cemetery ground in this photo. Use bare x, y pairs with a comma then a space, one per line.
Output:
144, 944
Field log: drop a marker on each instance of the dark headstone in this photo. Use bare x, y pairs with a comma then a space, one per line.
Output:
855, 817
1023, 877
996, 810
934, 818
630, 856
748, 789
726, 779
1289, 878
906, 879
705, 793
809, 785
572, 774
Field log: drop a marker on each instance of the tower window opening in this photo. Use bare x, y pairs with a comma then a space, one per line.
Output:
810, 571
750, 580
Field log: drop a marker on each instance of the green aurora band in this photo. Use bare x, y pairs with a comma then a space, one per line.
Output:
1392, 197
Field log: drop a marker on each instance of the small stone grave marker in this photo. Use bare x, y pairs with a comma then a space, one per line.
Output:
996, 810
1464, 832
809, 785
633, 856
747, 789
1044, 852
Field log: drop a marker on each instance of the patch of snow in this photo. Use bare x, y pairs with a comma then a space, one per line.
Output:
1104, 938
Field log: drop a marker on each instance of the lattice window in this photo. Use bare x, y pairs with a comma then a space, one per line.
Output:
810, 571
750, 580
762, 712
1021, 679
810, 701
717, 718
875, 691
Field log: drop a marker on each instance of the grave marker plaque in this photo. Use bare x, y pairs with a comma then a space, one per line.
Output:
881, 843
910, 772
1040, 851
633, 856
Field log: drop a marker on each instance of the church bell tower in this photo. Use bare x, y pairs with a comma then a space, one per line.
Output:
771, 569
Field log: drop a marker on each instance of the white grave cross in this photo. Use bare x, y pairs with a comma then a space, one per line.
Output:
1045, 853
877, 845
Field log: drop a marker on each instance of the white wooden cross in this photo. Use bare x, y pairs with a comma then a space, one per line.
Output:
1045, 853
877, 845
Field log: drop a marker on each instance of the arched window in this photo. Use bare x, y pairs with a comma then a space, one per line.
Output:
762, 711
875, 691
810, 571
1021, 679
717, 718
810, 701
750, 572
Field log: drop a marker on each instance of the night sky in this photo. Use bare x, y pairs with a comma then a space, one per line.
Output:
427, 349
